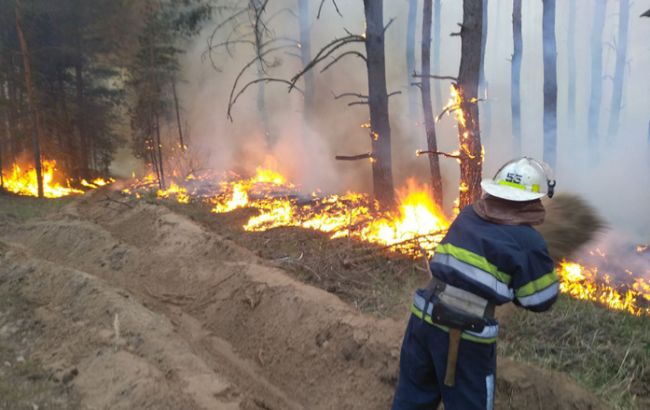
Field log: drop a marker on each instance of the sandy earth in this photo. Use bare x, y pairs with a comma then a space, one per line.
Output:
135, 307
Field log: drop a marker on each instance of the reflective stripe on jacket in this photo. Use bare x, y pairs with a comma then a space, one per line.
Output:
501, 263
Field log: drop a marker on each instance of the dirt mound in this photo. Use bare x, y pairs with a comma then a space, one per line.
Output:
281, 343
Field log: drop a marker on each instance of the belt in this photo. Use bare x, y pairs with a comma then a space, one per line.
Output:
459, 310
460, 299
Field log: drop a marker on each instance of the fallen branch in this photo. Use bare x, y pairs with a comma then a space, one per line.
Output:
109, 199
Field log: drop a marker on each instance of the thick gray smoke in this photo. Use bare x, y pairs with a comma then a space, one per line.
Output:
618, 184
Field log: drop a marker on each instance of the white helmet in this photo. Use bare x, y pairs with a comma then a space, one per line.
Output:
522, 179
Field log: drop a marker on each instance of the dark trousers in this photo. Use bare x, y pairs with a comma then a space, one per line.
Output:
423, 361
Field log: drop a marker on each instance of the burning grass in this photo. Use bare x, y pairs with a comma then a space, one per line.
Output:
23, 181
574, 337
417, 226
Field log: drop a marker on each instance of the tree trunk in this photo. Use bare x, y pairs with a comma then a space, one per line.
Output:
571, 104
437, 91
469, 133
619, 73
177, 107
84, 164
380, 136
37, 132
427, 108
410, 58
158, 147
515, 92
550, 83
483, 83
596, 75
305, 56
257, 6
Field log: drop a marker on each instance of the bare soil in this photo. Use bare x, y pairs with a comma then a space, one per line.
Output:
131, 305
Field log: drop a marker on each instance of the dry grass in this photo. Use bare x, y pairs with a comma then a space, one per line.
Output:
570, 222
608, 352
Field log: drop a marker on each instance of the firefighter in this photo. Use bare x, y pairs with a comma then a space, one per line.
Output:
490, 256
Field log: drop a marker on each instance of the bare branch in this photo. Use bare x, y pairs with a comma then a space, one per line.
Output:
336, 7
267, 80
358, 103
327, 51
347, 53
394, 93
246, 67
336, 97
368, 155
389, 23
436, 77
444, 154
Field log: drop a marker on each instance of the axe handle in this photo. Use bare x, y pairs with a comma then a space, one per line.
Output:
452, 357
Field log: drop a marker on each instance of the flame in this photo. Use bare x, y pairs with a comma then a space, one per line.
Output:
418, 221
416, 225
175, 191
24, 182
581, 282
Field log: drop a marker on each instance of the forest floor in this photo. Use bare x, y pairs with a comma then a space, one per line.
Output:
109, 302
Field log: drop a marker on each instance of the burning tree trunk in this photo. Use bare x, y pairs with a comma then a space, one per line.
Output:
305, 56
619, 73
596, 74
515, 92
427, 108
550, 83
483, 84
37, 133
437, 9
411, 26
382, 172
469, 133
571, 54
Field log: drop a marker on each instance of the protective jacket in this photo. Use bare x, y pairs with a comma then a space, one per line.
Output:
496, 262
500, 263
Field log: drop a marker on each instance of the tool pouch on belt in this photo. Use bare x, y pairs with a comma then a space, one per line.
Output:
456, 318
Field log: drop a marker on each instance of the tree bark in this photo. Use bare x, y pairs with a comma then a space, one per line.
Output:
305, 56
380, 133
37, 131
84, 162
483, 83
411, 26
596, 76
437, 89
619, 73
469, 133
161, 169
515, 91
571, 104
261, 88
427, 107
177, 107
550, 83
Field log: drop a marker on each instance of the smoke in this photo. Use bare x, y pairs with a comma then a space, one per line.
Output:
617, 185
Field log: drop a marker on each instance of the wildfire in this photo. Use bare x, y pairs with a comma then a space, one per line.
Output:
584, 283
416, 225
23, 181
